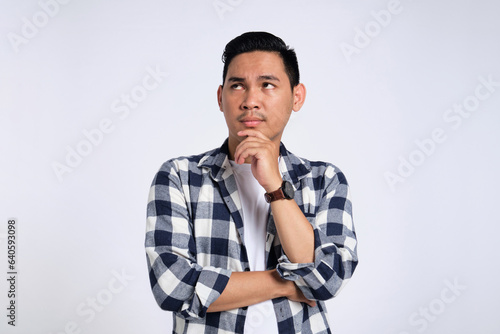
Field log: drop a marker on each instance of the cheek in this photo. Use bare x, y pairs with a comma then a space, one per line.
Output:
282, 112
230, 103
278, 122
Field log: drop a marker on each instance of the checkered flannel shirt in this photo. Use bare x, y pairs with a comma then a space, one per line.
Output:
195, 233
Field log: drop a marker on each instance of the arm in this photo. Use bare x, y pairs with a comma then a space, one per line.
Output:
294, 230
252, 287
178, 282
335, 255
319, 252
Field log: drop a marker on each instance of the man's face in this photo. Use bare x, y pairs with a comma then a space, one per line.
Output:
257, 95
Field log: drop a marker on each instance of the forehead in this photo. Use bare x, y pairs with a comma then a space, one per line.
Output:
256, 63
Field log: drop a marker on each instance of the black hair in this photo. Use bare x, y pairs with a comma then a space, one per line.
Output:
262, 41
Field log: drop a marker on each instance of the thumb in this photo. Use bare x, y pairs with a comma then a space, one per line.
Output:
311, 303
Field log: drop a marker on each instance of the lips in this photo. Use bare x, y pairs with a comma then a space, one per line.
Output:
251, 122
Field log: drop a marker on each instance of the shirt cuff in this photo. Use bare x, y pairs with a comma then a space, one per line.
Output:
211, 283
293, 271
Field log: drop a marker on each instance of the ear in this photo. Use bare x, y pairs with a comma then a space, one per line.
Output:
299, 96
219, 97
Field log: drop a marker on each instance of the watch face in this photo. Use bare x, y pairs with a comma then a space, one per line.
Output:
288, 190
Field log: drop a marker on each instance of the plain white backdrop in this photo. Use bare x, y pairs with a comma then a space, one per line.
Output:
403, 96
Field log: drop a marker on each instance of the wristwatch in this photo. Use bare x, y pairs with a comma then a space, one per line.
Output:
284, 192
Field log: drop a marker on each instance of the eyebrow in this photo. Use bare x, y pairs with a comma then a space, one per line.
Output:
268, 77
235, 79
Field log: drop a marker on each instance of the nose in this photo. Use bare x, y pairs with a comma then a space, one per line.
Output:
251, 99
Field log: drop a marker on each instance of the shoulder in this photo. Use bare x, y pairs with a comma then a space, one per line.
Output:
318, 170
187, 163
327, 170
182, 170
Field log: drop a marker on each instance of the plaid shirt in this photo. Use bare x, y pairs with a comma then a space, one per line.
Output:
195, 233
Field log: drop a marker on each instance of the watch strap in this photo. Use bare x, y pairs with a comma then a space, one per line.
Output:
274, 195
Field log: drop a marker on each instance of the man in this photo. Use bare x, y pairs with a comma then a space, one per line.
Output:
249, 226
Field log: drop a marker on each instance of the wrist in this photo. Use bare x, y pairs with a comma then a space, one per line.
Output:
285, 191
275, 185
283, 288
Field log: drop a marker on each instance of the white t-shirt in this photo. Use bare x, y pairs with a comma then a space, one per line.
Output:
260, 317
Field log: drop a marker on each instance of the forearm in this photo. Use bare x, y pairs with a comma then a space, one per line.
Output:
253, 287
294, 230
335, 256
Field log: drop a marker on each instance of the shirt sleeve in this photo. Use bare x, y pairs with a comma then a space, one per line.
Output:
179, 284
335, 245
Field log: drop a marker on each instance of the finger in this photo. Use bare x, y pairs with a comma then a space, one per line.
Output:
245, 153
252, 133
311, 303
254, 144
249, 139
256, 149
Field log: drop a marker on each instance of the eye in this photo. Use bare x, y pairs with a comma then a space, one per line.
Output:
237, 86
268, 85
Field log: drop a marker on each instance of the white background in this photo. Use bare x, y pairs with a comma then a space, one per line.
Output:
434, 227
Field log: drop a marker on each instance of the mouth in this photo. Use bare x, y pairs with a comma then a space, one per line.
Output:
251, 122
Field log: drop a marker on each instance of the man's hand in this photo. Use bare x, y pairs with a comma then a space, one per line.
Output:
291, 291
263, 154
298, 296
